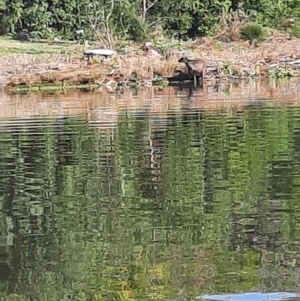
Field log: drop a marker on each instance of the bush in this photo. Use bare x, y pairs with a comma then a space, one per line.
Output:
252, 32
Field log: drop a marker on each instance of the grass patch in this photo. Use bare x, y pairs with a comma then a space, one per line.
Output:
10, 46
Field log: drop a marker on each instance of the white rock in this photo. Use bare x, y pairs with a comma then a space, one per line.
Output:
104, 52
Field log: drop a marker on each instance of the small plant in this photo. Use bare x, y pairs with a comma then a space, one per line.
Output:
252, 33
281, 73
296, 30
227, 69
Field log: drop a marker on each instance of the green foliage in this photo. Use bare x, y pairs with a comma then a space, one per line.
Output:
271, 13
135, 28
282, 73
2, 4
132, 20
252, 32
295, 32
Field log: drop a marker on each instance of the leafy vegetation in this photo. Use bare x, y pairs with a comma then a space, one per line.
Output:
138, 19
252, 32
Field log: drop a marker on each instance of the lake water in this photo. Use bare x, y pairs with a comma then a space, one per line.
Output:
150, 197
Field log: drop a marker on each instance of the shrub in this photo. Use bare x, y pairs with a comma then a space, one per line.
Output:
252, 32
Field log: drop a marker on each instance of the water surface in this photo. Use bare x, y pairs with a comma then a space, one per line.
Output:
145, 205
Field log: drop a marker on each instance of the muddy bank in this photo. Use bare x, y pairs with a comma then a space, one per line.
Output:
277, 57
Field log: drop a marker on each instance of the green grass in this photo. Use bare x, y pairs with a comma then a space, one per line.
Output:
22, 88
10, 46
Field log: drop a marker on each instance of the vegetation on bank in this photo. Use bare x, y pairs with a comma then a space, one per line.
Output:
61, 65
239, 49
123, 25
139, 20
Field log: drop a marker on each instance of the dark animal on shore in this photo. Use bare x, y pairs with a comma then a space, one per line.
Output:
23, 35
178, 76
196, 68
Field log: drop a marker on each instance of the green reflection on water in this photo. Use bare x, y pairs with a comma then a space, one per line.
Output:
153, 209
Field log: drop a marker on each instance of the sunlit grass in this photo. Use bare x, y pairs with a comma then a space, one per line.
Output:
10, 46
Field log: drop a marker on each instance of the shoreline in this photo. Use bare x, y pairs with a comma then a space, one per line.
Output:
105, 109
64, 68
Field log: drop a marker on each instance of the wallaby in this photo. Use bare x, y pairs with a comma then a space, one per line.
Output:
150, 52
196, 68
288, 25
